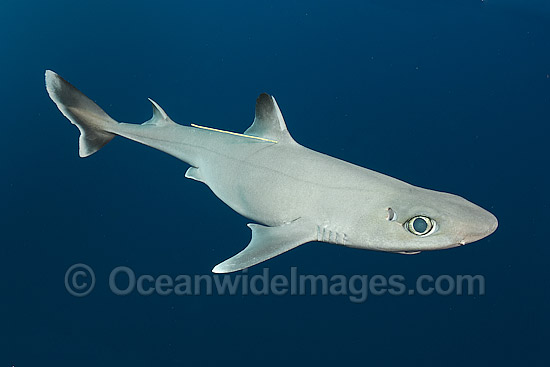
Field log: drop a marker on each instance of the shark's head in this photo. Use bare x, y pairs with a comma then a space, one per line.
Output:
414, 219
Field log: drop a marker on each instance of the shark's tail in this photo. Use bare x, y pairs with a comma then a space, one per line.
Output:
90, 119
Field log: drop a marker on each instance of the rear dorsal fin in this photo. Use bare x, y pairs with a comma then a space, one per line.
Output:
160, 118
268, 121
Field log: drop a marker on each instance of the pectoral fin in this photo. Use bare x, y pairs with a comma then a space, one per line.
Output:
268, 242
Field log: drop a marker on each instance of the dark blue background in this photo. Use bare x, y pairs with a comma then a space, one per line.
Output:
453, 96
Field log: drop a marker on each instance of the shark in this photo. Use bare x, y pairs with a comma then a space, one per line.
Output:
294, 195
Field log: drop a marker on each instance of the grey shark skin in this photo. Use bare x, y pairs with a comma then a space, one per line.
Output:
296, 194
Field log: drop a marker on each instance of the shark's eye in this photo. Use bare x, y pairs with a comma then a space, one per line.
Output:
420, 225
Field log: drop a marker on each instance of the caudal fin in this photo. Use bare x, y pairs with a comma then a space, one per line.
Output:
90, 119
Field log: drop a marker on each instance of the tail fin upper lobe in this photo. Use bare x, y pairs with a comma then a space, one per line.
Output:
90, 119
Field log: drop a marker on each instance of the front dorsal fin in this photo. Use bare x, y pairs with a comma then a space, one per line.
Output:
268, 121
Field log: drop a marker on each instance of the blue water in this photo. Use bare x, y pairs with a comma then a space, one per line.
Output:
452, 96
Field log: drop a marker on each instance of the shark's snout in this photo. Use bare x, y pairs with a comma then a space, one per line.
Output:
486, 224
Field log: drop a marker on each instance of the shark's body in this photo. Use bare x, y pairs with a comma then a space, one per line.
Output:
297, 194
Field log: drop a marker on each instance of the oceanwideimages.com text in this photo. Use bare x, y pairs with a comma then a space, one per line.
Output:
122, 281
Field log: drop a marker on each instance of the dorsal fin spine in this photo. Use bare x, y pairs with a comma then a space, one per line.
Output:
282, 123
